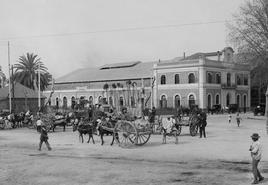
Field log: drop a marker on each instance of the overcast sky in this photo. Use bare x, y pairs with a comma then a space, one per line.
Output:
102, 30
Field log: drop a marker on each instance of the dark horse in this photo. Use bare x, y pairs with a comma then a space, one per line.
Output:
59, 121
83, 130
106, 127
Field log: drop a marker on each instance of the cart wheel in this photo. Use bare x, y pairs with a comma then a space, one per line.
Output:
127, 133
142, 138
193, 129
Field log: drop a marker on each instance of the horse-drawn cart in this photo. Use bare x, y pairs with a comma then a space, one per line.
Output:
190, 121
130, 133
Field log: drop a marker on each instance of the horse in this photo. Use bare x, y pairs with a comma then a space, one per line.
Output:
83, 130
59, 122
105, 127
170, 129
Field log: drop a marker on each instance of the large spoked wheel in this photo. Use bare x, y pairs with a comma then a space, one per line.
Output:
127, 134
193, 125
193, 129
142, 138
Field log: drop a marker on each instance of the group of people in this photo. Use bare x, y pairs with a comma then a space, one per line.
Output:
238, 119
14, 120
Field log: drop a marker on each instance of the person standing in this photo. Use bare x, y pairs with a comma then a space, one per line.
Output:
43, 138
202, 124
256, 153
238, 119
229, 118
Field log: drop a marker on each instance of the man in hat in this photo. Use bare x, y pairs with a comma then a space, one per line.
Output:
256, 152
43, 137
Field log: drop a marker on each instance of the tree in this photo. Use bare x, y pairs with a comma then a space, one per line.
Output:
106, 87
128, 84
249, 34
26, 72
114, 94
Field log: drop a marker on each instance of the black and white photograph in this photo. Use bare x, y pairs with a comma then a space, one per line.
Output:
133, 92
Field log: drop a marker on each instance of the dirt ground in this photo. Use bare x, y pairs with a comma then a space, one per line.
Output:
222, 158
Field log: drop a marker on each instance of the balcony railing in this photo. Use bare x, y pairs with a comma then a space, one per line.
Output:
228, 86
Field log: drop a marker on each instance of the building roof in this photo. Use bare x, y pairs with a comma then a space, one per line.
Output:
118, 71
20, 91
198, 55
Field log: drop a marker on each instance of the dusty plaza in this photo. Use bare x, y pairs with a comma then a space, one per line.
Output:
221, 158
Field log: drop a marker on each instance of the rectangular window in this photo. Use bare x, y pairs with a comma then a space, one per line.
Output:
245, 79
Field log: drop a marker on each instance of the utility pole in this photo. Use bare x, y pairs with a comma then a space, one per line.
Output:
39, 88
9, 81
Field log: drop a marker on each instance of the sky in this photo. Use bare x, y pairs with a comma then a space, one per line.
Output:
72, 34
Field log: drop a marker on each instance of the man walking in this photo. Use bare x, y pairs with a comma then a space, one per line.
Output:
43, 137
256, 152
202, 124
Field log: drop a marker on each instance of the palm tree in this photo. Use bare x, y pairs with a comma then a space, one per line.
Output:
128, 84
106, 87
26, 72
114, 94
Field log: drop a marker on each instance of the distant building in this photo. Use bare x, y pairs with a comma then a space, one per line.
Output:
202, 79
22, 97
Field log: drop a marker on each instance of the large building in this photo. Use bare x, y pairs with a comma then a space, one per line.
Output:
204, 79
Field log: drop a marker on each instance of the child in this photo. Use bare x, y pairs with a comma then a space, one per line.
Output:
229, 118
256, 152
238, 119
43, 138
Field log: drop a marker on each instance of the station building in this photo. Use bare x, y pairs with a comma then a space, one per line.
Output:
202, 79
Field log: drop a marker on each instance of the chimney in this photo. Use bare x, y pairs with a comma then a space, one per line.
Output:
183, 55
159, 61
219, 56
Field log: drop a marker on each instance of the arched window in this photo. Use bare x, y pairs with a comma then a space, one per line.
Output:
64, 105
228, 99
111, 101
163, 101
191, 100
82, 101
57, 102
72, 102
238, 100
245, 79
121, 101
238, 80
132, 101
209, 101
217, 99
245, 100
191, 78
100, 100
163, 79
209, 78
90, 100
228, 79
177, 78
177, 102
218, 78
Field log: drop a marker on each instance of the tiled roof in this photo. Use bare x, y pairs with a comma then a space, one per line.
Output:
197, 55
131, 70
20, 91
